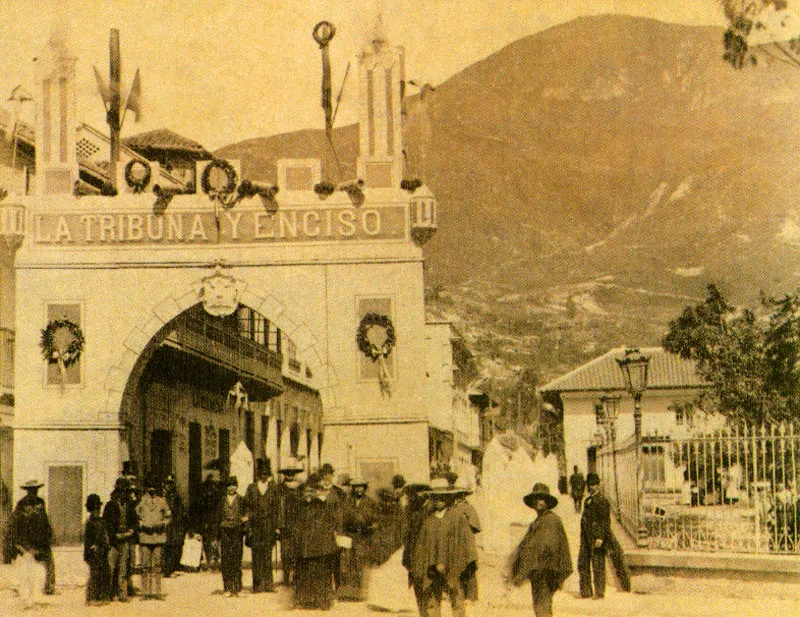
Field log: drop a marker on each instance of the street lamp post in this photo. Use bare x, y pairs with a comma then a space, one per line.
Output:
611, 412
634, 371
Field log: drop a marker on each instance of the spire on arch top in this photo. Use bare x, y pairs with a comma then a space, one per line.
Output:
381, 74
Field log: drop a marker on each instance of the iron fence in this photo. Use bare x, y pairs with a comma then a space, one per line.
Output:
735, 489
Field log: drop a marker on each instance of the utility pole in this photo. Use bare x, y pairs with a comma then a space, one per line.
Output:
113, 113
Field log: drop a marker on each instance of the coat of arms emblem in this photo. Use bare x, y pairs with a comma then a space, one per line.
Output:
219, 294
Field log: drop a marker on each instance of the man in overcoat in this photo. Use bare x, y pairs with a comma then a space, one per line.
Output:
262, 503
543, 555
121, 526
597, 540
360, 516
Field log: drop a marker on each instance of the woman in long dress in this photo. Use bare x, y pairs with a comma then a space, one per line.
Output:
315, 548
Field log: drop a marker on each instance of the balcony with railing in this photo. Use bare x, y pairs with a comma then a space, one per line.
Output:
227, 348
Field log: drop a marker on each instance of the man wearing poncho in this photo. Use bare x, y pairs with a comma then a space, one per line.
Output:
543, 555
443, 550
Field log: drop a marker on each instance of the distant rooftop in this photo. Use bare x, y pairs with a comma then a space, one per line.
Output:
164, 139
665, 371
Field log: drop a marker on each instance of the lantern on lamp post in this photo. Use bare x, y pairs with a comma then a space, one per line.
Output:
634, 371
610, 414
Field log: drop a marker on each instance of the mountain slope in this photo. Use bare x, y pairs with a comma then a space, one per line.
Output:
607, 168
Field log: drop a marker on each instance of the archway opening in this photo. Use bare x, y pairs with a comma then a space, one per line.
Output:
205, 387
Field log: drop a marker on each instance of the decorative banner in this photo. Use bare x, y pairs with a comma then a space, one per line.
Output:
237, 226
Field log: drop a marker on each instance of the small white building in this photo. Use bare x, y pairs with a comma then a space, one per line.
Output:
577, 397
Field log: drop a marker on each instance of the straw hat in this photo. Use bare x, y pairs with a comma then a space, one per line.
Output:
32, 484
440, 486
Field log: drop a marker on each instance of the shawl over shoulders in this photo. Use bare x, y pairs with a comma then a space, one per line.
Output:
544, 549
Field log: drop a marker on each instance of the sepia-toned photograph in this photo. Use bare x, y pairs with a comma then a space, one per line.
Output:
400, 308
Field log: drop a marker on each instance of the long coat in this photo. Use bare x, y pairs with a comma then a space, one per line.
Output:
596, 518
544, 549
448, 541
262, 510
30, 528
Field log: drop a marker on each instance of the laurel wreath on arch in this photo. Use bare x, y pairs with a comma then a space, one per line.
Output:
221, 193
377, 352
137, 184
367, 347
53, 349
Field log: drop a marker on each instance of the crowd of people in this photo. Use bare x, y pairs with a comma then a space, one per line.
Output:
330, 534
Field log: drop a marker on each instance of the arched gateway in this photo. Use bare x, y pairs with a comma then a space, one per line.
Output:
166, 324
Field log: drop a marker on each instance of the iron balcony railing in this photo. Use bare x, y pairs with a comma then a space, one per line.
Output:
226, 347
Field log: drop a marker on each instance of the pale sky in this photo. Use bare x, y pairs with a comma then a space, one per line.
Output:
223, 71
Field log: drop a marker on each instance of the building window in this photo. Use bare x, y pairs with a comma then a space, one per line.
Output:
252, 325
65, 503
599, 414
294, 438
369, 368
291, 356
57, 374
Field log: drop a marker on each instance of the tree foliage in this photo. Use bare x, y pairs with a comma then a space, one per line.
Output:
766, 26
748, 357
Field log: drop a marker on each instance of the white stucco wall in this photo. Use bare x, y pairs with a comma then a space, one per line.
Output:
580, 426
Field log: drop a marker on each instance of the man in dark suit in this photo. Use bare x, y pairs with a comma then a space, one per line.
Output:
262, 503
597, 540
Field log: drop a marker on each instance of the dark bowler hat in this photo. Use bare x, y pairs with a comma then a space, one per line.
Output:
326, 469
32, 485
592, 479
93, 501
540, 491
232, 481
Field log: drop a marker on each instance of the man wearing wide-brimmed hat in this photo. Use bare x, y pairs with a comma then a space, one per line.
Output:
543, 555
469, 579
262, 503
121, 523
360, 515
443, 551
30, 531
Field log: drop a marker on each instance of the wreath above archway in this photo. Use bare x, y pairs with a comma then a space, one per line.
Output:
62, 340
376, 338
138, 182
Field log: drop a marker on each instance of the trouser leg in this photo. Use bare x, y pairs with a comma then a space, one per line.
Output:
147, 565
155, 569
599, 571
457, 601
433, 600
585, 569
542, 596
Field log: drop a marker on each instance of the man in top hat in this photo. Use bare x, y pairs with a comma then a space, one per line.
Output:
30, 531
443, 550
154, 516
262, 503
597, 540
359, 519
543, 555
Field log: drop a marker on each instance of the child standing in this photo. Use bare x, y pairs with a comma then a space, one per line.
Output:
95, 553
